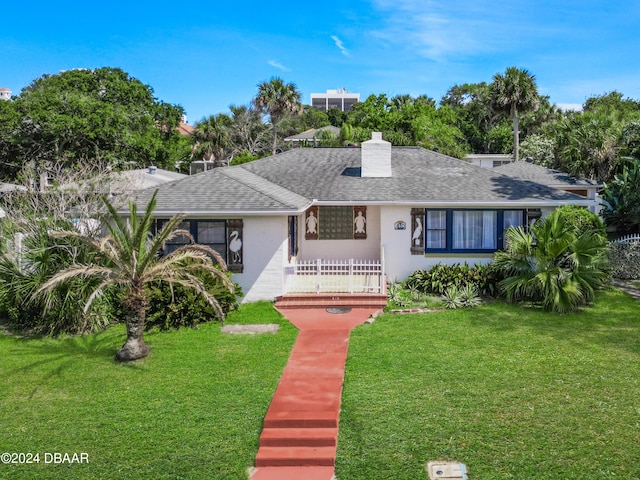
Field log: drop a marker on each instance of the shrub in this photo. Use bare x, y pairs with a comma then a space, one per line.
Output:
177, 306
485, 278
62, 310
582, 220
624, 259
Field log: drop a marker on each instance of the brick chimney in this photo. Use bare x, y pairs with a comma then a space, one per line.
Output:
376, 157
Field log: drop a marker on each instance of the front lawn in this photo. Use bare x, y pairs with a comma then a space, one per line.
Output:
192, 410
513, 393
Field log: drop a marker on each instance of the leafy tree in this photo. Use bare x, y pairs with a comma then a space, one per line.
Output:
83, 115
631, 140
516, 92
540, 148
622, 199
624, 109
278, 99
127, 259
337, 117
475, 115
587, 144
405, 120
553, 265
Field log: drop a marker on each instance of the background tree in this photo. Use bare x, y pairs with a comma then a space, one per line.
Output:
248, 134
277, 99
516, 92
622, 199
81, 115
127, 259
212, 139
475, 115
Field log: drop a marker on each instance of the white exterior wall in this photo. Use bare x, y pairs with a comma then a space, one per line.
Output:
264, 255
365, 249
399, 262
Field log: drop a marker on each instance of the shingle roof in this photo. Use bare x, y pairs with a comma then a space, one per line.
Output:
312, 132
537, 173
293, 179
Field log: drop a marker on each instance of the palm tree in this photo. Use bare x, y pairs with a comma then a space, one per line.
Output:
554, 265
128, 259
515, 92
212, 138
277, 99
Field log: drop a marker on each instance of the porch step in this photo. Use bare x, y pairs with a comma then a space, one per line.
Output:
328, 300
299, 437
296, 456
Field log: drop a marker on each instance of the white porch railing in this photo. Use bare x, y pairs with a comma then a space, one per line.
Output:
628, 238
335, 276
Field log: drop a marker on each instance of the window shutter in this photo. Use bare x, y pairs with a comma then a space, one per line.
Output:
235, 247
360, 223
417, 231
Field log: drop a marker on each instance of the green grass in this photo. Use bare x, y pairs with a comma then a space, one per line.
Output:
514, 393
193, 409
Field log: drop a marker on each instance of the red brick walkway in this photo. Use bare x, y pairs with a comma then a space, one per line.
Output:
300, 432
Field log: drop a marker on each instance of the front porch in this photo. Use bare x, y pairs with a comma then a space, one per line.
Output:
352, 276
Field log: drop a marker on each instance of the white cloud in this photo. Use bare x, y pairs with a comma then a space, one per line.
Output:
278, 65
451, 31
566, 107
340, 45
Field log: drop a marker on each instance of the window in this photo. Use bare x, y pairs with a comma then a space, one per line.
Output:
176, 242
512, 218
336, 223
436, 229
472, 231
212, 233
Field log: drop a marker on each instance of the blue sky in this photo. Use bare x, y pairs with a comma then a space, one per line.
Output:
207, 55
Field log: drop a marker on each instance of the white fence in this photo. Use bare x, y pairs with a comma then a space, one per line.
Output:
628, 238
335, 276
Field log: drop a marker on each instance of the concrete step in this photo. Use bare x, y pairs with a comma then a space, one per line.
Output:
336, 300
296, 456
299, 437
301, 419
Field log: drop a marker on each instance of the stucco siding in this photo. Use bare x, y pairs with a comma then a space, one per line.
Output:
264, 255
362, 249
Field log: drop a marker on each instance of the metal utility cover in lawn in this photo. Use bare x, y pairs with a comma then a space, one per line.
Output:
446, 470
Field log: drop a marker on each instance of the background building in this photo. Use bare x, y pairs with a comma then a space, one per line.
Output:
5, 94
341, 99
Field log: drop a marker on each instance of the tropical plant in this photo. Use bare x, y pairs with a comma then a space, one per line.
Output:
24, 269
212, 139
515, 92
553, 265
127, 259
622, 199
278, 99
465, 296
440, 277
